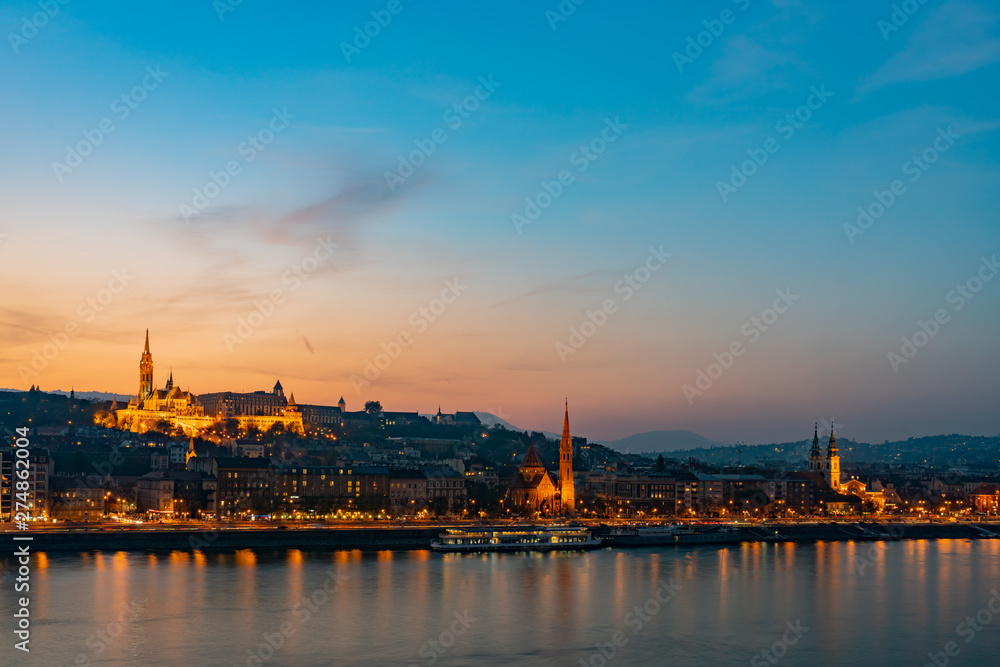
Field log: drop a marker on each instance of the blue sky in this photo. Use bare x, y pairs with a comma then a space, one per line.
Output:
554, 87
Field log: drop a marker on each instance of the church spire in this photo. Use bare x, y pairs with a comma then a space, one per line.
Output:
565, 433
567, 492
145, 372
816, 453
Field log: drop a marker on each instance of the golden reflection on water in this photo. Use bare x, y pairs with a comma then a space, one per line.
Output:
541, 602
246, 558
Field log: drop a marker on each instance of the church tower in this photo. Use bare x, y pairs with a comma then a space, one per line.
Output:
833, 463
816, 454
567, 491
145, 372
343, 405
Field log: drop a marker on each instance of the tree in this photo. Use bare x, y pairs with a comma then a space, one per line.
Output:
438, 505
231, 428
661, 465
373, 408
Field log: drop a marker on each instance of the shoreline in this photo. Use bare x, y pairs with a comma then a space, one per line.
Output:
392, 538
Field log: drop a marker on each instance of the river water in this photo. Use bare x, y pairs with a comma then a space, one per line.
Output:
834, 603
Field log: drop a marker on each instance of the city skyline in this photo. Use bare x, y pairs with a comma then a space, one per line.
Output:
223, 179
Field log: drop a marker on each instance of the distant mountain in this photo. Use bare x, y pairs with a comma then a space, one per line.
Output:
490, 420
88, 395
659, 441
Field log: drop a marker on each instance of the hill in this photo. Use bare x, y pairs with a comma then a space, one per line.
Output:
659, 441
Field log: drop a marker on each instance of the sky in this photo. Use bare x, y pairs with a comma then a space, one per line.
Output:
734, 217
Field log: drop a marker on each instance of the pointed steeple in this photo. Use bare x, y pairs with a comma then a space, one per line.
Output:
816, 453
832, 462
291, 401
146, 351
566, 438
531, 460
567, 491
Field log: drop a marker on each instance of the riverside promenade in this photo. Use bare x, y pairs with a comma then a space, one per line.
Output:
402, 538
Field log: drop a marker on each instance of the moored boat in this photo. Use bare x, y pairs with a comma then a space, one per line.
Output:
637, 536
516, 538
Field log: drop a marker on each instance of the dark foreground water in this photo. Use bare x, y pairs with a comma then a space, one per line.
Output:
841, 603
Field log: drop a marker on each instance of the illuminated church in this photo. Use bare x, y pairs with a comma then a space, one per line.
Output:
185, 411
150, 406
534, 489
828, 465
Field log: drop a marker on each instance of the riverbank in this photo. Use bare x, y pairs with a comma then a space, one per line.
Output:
413, 538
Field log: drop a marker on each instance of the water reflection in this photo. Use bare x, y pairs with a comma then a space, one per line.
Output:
532, 609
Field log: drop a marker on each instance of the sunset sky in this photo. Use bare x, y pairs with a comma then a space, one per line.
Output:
643, 132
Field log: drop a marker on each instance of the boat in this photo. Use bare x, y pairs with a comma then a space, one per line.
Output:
516, 538
638, 536
708, 535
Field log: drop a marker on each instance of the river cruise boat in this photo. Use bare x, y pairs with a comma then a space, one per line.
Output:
516, 538
638, 536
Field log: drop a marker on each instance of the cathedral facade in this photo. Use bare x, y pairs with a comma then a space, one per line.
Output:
535, 490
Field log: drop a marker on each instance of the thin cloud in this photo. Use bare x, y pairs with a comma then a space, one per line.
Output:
746, 69
956, 38
305, 341
571, 284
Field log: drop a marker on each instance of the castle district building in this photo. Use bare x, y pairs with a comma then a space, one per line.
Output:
181, 409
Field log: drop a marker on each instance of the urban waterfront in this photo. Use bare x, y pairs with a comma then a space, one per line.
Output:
825, 603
